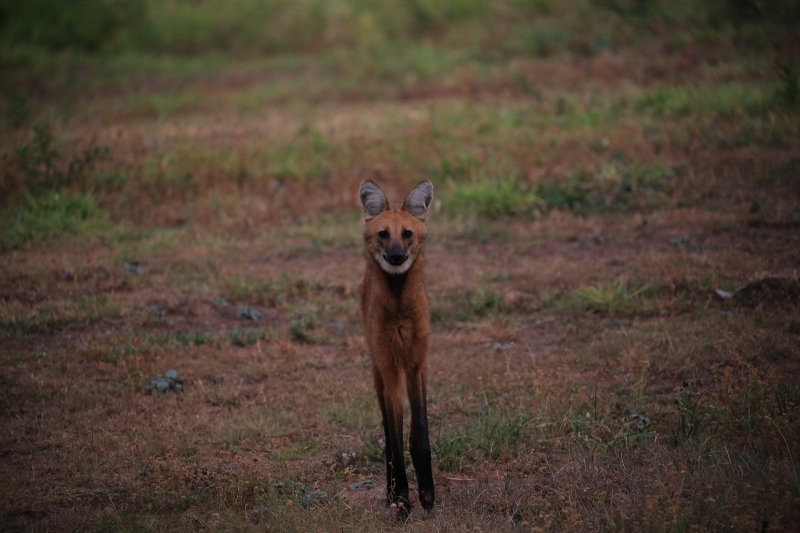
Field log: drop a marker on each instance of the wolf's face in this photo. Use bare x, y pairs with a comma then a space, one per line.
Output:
393, 234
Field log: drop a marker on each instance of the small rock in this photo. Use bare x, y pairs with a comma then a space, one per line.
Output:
249, 313
169, 382
314, 497
725, 295
365, 485
133, 267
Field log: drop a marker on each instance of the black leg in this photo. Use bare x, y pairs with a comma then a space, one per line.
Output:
390, 400
419, 444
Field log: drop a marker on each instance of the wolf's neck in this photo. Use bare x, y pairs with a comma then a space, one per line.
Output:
398, 282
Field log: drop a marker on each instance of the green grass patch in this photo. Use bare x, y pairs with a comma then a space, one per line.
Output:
492, 199
490, 435
162, 342
469, 306
692, 418
723, 99
621, 296
52, 215
359, 412
285, 289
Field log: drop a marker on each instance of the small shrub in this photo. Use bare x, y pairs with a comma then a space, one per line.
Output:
42, 166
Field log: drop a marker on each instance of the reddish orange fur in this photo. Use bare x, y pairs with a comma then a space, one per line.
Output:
397, 325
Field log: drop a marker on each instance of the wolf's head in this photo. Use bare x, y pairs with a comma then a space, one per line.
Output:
394, 233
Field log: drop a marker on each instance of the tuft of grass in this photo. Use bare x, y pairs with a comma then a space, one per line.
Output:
452, 450
467, 306
693, 418
571, 193
492, 434
618, 297
246, 337
360, 412
236, 434
52, 215
301, 329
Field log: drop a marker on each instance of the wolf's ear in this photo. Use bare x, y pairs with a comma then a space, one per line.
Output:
373, 201
418, 201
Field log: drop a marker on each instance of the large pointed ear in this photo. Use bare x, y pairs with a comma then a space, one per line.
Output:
373, 201
418, 201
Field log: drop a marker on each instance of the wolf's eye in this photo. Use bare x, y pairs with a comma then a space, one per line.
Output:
383, 234
407, 234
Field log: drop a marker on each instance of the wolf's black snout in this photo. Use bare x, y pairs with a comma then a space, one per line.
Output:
396, 257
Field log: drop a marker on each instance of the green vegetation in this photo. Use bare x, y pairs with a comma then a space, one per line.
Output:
618, 297
492, 199
692, 418
178, 27
52, 215
493, 435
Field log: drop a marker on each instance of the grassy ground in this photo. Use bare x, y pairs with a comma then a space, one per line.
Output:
612, 265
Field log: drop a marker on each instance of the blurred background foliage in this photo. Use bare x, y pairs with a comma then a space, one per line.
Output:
256, 27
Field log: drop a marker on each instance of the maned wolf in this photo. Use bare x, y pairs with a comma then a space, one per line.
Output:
397, 325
